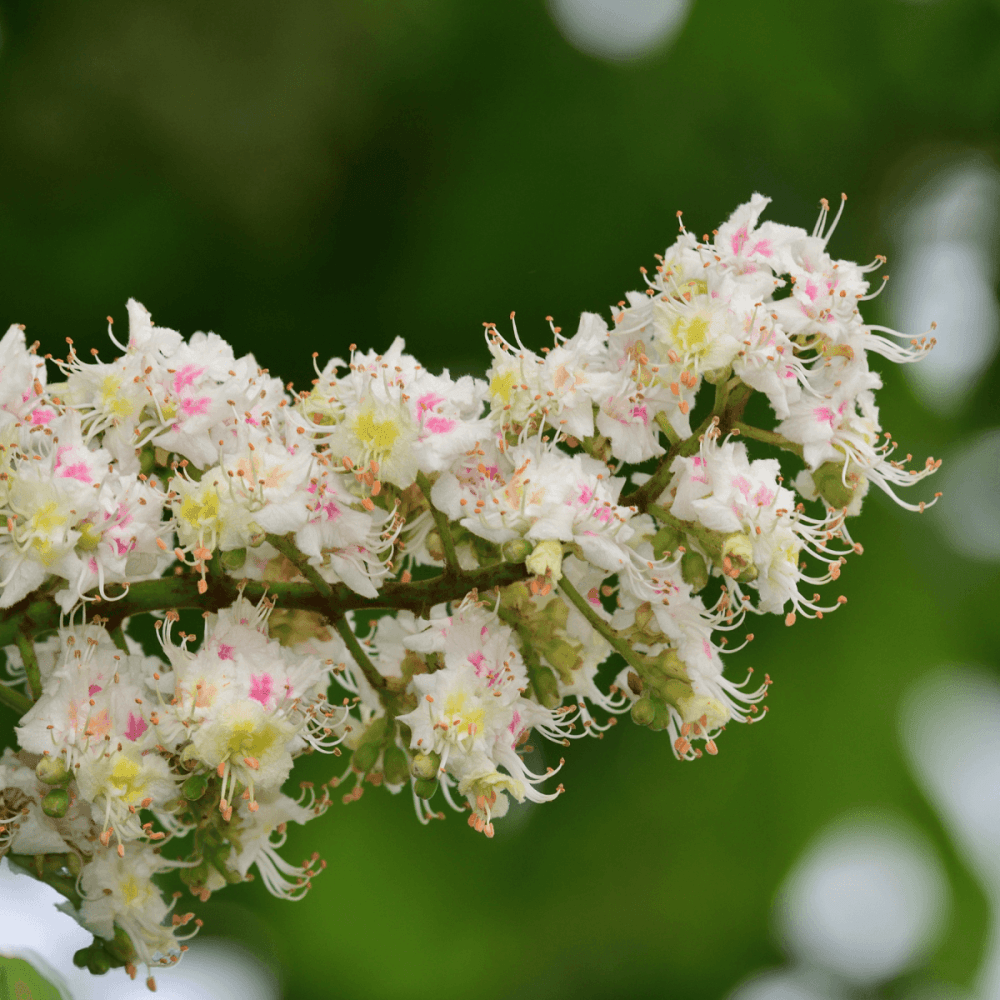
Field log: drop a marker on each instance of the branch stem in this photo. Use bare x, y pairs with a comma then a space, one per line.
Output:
13, 699
618, 644
26, 646
301, 562
451, 565
767, 437
377, 681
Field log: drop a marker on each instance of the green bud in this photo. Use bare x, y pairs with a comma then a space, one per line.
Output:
425, 765
546, 687
666, 540
828, 481
93, 958
196, 876
56, 803
365, 757
516, 550
425, 787
52, 771
147, 461
395, 765
717, 375
434, 545
195, 786
643, 712
661, 716
694, 571
120, 947
234, 559
377, 731
738, 549
219, 858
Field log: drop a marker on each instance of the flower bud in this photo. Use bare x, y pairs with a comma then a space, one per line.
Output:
546, 687
56, 803
434, 545
546, 558
377, 731
395, 766
516, 550
425, 787
120, 947
52, 771
194, 787
643, 712
234, 559
425, 765
93, 958
661, 716
694, 571
737, 557
365, 757
828, 483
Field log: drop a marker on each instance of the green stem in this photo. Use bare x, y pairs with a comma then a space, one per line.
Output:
27, 647
39, 613
722, 389
301, 562
13, 699
618, 644
118, 638
451, 565
368, 668
664, 424
767, 437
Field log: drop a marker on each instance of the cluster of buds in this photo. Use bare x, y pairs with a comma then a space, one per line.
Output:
415, 573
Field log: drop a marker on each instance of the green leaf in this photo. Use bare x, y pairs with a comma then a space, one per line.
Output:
20, 980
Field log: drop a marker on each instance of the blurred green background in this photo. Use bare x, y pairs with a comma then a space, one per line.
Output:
297, 176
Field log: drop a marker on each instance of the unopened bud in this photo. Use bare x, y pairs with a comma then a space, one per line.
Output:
365, 757
425, 787
546, 559
377, 731
395, 766
120, 947
546, 686
643, 712
194, 787
93, 958
738, 549
52, 771
828, 481
434, 545
516, 550
56, 803
234, 559
425, 765
694, 571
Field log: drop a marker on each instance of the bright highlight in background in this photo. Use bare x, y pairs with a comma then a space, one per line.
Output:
619, 29
866, 902
946, 272
972, 488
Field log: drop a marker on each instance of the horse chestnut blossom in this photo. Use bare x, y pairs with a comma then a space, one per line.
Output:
421, 575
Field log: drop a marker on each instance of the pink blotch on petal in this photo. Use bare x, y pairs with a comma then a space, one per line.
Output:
260, 687
137, 725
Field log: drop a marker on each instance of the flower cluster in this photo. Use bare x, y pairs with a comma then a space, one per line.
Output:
423, 572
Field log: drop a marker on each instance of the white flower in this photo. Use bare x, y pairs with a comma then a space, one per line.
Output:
121, 891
